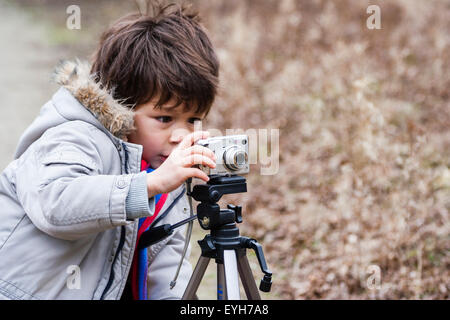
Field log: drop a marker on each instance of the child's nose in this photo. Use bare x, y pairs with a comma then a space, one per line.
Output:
176, 139
178, 135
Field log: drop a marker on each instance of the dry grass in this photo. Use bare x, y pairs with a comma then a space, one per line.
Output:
364, 117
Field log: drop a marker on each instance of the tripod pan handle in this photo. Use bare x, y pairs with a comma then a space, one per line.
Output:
266, 282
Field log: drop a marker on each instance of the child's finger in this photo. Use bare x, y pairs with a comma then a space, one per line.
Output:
197, 149
191, 138
197, 173
194, 159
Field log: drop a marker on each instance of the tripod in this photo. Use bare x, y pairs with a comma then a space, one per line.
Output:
224, 244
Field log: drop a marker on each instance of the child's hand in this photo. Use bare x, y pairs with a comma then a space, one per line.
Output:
177, 168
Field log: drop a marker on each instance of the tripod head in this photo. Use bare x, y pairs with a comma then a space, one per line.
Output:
209, 214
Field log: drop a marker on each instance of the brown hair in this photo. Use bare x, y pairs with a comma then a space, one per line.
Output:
165, 55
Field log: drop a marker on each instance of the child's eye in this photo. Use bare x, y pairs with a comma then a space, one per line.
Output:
164, 119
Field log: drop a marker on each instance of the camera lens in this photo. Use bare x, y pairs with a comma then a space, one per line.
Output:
235, 158
239, 158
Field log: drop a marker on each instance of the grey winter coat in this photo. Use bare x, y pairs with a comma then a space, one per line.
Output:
70, 200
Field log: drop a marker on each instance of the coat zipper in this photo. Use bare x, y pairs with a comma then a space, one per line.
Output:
122, 236
111, 275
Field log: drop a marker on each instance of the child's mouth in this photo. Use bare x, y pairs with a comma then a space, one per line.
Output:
163, 158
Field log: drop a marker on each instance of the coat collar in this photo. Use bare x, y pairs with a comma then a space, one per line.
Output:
75, 76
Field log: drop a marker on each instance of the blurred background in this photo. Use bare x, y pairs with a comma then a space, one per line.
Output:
359, 208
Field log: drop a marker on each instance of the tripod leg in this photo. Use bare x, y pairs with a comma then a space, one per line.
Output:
221, 283
196, 278
245, 272
231, 275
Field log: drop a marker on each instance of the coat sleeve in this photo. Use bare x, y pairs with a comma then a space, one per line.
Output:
60, 185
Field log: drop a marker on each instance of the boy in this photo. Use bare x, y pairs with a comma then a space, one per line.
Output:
78, 195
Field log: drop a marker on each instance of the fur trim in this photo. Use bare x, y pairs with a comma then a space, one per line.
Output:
75, 76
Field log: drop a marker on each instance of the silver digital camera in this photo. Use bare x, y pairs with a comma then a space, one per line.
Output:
231, 155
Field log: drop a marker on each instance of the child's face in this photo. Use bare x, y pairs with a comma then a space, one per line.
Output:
160, 131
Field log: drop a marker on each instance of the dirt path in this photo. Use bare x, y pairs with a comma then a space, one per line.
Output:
26, 62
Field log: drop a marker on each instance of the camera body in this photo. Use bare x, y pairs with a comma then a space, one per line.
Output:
231, 155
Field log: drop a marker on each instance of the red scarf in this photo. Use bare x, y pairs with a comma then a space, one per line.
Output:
139, 267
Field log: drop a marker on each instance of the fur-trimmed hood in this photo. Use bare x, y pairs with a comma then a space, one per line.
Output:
80, 98
75, 76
